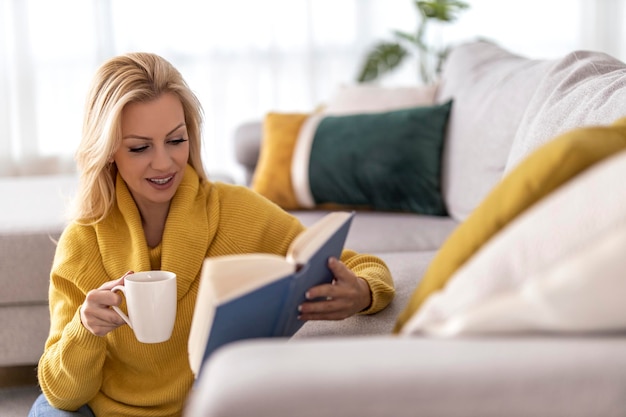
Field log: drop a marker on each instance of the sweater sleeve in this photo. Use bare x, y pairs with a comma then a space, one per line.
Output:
70, 369
377, 275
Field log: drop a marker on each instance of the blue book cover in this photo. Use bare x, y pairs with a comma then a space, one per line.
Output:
257, 295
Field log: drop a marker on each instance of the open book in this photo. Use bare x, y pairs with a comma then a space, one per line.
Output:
257, 295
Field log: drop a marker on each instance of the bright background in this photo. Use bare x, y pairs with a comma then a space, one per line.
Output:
243, 58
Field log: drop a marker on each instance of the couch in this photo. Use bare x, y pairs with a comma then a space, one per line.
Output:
564, 361
33, 217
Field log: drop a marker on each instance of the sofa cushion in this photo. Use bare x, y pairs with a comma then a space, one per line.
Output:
378, 376
247, 144
34, 215
406, 268
491, 88
583, 88
347, 99
539, 174
382, 161
381, 232
272, 176
557, 267
368, 98
25, 328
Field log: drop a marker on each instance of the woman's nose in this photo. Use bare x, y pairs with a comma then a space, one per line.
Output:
162, 159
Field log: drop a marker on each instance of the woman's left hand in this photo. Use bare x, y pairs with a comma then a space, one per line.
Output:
346, 296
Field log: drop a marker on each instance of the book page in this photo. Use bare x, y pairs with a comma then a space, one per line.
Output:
233, 275
308, 242
200, 326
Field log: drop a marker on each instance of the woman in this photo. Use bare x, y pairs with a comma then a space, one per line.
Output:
144, 202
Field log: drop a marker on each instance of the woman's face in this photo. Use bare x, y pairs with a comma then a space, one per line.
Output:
154, 150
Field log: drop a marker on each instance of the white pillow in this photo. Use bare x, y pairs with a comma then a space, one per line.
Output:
560, 266
582, 88
366, 98
491, 88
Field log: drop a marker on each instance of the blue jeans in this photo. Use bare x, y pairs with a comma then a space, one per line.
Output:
42, 408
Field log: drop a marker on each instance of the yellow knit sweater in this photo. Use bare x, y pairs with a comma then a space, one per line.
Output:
117, 375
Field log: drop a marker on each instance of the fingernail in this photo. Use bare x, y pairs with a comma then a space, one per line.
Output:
300, 308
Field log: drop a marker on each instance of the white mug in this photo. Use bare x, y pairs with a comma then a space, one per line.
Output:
151, 302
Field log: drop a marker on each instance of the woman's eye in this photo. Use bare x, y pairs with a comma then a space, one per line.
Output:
138, 149
178, 141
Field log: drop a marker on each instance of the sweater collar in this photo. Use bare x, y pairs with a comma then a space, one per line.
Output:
185, 238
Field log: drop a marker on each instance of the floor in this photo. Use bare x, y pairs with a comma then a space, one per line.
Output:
18, 390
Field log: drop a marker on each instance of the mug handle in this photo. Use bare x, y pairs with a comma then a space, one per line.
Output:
117, 309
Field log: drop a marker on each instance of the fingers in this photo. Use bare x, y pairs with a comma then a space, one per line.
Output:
342, 277
95, 312
322, 310
120, 281
346, 296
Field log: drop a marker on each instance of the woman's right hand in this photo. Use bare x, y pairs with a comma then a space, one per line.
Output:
96, 313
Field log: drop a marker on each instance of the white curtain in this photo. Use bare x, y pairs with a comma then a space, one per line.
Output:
243, 58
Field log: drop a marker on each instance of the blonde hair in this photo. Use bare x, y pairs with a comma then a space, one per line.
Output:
134, 77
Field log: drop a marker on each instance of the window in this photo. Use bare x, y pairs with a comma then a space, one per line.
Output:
241, 57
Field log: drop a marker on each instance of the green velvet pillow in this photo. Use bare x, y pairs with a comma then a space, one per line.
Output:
387, 161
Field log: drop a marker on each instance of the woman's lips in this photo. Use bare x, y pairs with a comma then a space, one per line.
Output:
161, 181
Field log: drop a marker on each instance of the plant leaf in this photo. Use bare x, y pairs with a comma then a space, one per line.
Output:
406, 36
384, 57
442, 10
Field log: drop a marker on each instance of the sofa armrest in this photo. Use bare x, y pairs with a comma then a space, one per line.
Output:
247, 139
389, 376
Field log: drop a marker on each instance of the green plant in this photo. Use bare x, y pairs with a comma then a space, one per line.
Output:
385, 56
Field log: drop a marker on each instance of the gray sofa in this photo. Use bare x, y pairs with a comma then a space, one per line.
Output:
32, 219
505, 106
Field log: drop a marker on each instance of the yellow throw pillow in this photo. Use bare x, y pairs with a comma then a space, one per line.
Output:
272, 177
540, 173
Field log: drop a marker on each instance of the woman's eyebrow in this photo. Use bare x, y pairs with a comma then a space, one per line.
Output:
176, 128
131, 136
